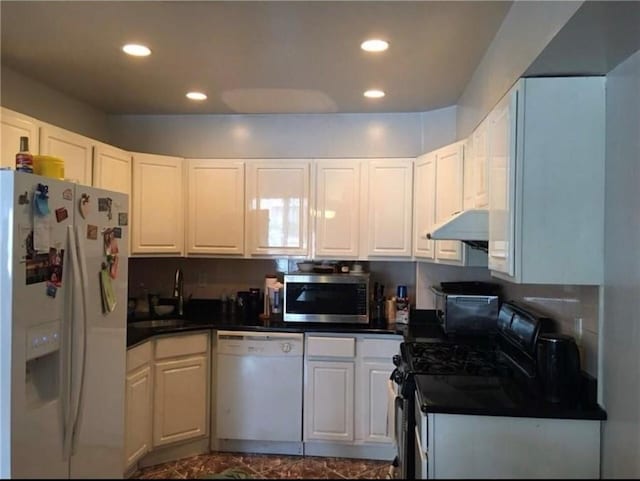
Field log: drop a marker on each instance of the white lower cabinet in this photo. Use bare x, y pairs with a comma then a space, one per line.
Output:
467, 446
346, 400
139, 401
180, 389
329, 396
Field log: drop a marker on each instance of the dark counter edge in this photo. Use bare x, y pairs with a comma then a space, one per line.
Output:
422, 324
595, 413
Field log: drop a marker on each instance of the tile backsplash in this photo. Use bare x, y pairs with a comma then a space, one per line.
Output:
212, 278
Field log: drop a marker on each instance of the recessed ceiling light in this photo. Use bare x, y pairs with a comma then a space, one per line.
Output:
196, 96
374, 45
136, 50
374, 94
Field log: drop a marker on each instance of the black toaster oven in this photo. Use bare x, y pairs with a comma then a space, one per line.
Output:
467, 308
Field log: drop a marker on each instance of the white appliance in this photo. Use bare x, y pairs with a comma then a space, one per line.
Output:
63, 348
259, 386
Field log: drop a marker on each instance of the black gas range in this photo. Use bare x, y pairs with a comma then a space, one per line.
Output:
497, 372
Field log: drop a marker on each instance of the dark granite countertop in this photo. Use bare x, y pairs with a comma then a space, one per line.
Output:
421, 326
499, 396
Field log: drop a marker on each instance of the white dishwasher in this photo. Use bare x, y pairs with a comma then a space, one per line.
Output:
259, 386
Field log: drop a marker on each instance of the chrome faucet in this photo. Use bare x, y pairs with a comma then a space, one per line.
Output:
178, 291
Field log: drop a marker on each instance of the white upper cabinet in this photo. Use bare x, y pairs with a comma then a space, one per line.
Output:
502, 178
389, 185
215, 206
278, 204
337, 211
14, 125
449, 177
480, 162
111, 168
546, 202
424, 196
157, 226
76, 151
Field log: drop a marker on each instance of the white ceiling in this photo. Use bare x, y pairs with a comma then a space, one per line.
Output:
251, 57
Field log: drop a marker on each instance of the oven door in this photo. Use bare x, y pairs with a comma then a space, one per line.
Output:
404, 433
420, 457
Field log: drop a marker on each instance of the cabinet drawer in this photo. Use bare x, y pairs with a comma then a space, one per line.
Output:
182, 345
138, 356
331, 346
380, 348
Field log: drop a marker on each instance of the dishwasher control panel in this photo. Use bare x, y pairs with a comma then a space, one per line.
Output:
244, 343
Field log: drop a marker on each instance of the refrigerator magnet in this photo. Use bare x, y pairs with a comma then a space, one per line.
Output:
117, 232
123, 218
41, 200
23, 199
83, 205
104, 205
51, 290
92, 232
67, 194
61, 214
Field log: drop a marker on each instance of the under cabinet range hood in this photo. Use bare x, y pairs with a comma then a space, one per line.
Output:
470, 226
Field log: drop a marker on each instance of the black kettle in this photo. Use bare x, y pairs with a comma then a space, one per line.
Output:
558, 367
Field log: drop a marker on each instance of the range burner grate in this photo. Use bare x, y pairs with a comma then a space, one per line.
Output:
432, 358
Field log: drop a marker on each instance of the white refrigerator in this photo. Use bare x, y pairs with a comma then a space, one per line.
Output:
63, 301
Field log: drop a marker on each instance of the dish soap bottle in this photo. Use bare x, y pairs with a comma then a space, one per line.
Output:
24, 159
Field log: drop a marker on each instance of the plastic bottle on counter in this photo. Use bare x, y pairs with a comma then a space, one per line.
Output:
24, 159
402, 306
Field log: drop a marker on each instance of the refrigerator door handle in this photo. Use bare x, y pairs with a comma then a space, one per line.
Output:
71, 306
81, 334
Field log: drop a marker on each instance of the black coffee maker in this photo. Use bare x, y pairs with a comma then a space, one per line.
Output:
558, 366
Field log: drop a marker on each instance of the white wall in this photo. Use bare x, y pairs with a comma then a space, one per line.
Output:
525, 31
286, 135
37, 100
621, 322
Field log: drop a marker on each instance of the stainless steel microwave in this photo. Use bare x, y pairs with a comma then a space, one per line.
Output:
339, 298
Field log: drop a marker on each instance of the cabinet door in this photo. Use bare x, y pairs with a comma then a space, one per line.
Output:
328, 401
138, 414
180, 400
74, 149
375, 402
480, 185
13, 126
390, 185
158, 214
111, 168
449, 196
424, 205
337, 213
215, 206
278, 207
502, 158
468, 175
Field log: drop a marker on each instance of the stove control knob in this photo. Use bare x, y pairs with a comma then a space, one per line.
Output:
397, 376
286, 347
396, 359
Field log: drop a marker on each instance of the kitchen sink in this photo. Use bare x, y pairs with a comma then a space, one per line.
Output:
157, 323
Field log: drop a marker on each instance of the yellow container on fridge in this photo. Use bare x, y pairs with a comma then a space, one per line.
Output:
49, 166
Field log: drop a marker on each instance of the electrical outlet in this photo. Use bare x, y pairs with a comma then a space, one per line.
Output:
202, 279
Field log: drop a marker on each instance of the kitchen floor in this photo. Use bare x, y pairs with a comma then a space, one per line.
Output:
268, 467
